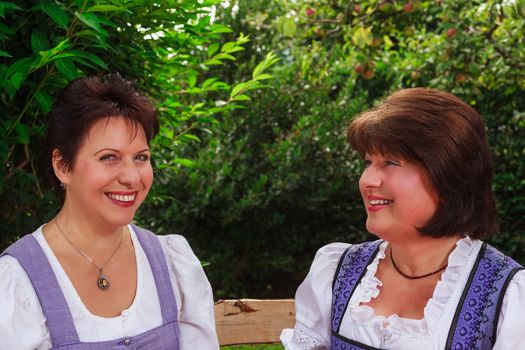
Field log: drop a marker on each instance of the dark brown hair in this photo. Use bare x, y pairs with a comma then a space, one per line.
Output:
447, 137
82, 103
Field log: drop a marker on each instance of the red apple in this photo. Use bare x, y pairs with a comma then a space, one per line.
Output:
357, 8
369, 74
376, 42
310, 12
359, 68
385, 6
451, 32
408, 7
460, 78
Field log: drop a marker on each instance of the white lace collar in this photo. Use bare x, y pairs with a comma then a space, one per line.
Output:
368, 289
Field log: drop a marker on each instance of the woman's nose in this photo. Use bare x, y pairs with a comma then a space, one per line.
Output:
371, 177
129, 174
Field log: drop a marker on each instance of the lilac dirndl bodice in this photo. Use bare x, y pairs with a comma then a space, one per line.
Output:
475, 322
58, 317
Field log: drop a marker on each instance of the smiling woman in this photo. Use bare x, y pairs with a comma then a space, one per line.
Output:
429, 282
89, 278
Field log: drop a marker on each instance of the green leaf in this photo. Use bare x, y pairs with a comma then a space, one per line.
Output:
18, 78
212, 62
228, 47
263, 77
220, 28
68, 68
80, 56
208, 82
362, 37
45, 101
236, 49
18, 72
192, 79
9, 88
190, 137
207, 119
248, 85
7, 6
184, 162
57, 14
474, 70
91, 20
52, 54
23, 133
4, 54
289, 27
107, 8
212, 49
39, 41
388, 42
22, 65
224, 56
241, 97
5, 29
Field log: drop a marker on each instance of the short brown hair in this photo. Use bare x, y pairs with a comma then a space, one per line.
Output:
82, 103
446, 136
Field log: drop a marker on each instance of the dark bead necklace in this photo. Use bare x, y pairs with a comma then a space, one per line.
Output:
413, 277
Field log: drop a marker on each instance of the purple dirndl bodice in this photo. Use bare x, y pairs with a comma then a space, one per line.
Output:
58, 316
475, 322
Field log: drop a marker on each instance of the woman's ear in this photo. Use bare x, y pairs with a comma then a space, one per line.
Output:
59, 167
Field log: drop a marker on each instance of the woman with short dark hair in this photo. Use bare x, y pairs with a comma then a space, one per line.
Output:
89, 279
428, 282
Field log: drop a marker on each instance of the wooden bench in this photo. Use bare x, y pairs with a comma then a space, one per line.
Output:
252, 321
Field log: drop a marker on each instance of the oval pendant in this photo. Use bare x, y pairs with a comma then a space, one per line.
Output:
103, 282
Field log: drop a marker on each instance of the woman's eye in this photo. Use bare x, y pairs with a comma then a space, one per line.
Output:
392, 162
142, 157
367, 163
108, 157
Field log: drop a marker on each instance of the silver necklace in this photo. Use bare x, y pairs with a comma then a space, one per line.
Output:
102, 280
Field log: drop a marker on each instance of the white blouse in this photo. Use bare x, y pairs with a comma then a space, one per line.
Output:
23, 325
314, 305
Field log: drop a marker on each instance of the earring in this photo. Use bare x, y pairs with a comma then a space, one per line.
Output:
62, 185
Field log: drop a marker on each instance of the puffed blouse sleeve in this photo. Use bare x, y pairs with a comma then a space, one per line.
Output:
313, 302
511, 324
22, 322
194, 295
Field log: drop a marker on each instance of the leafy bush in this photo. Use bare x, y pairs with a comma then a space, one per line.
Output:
276, 181
167, 47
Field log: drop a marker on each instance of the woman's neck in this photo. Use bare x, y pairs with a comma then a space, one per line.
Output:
423, 255
90, 236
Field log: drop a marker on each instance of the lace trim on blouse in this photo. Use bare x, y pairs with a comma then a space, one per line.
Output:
369, 288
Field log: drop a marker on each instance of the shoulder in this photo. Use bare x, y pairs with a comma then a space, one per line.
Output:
511, 321
22, 323
183, 264
330, 254
318, 283
173, 246
11, 270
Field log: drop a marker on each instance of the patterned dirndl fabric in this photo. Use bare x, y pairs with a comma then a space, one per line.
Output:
476, 318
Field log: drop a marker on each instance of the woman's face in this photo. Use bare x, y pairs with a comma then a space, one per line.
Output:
398, 197
112, 173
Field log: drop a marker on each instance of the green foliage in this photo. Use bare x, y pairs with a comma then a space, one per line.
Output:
277, 181
167, 47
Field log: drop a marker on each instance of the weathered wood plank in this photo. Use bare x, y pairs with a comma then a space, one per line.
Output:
251, 321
